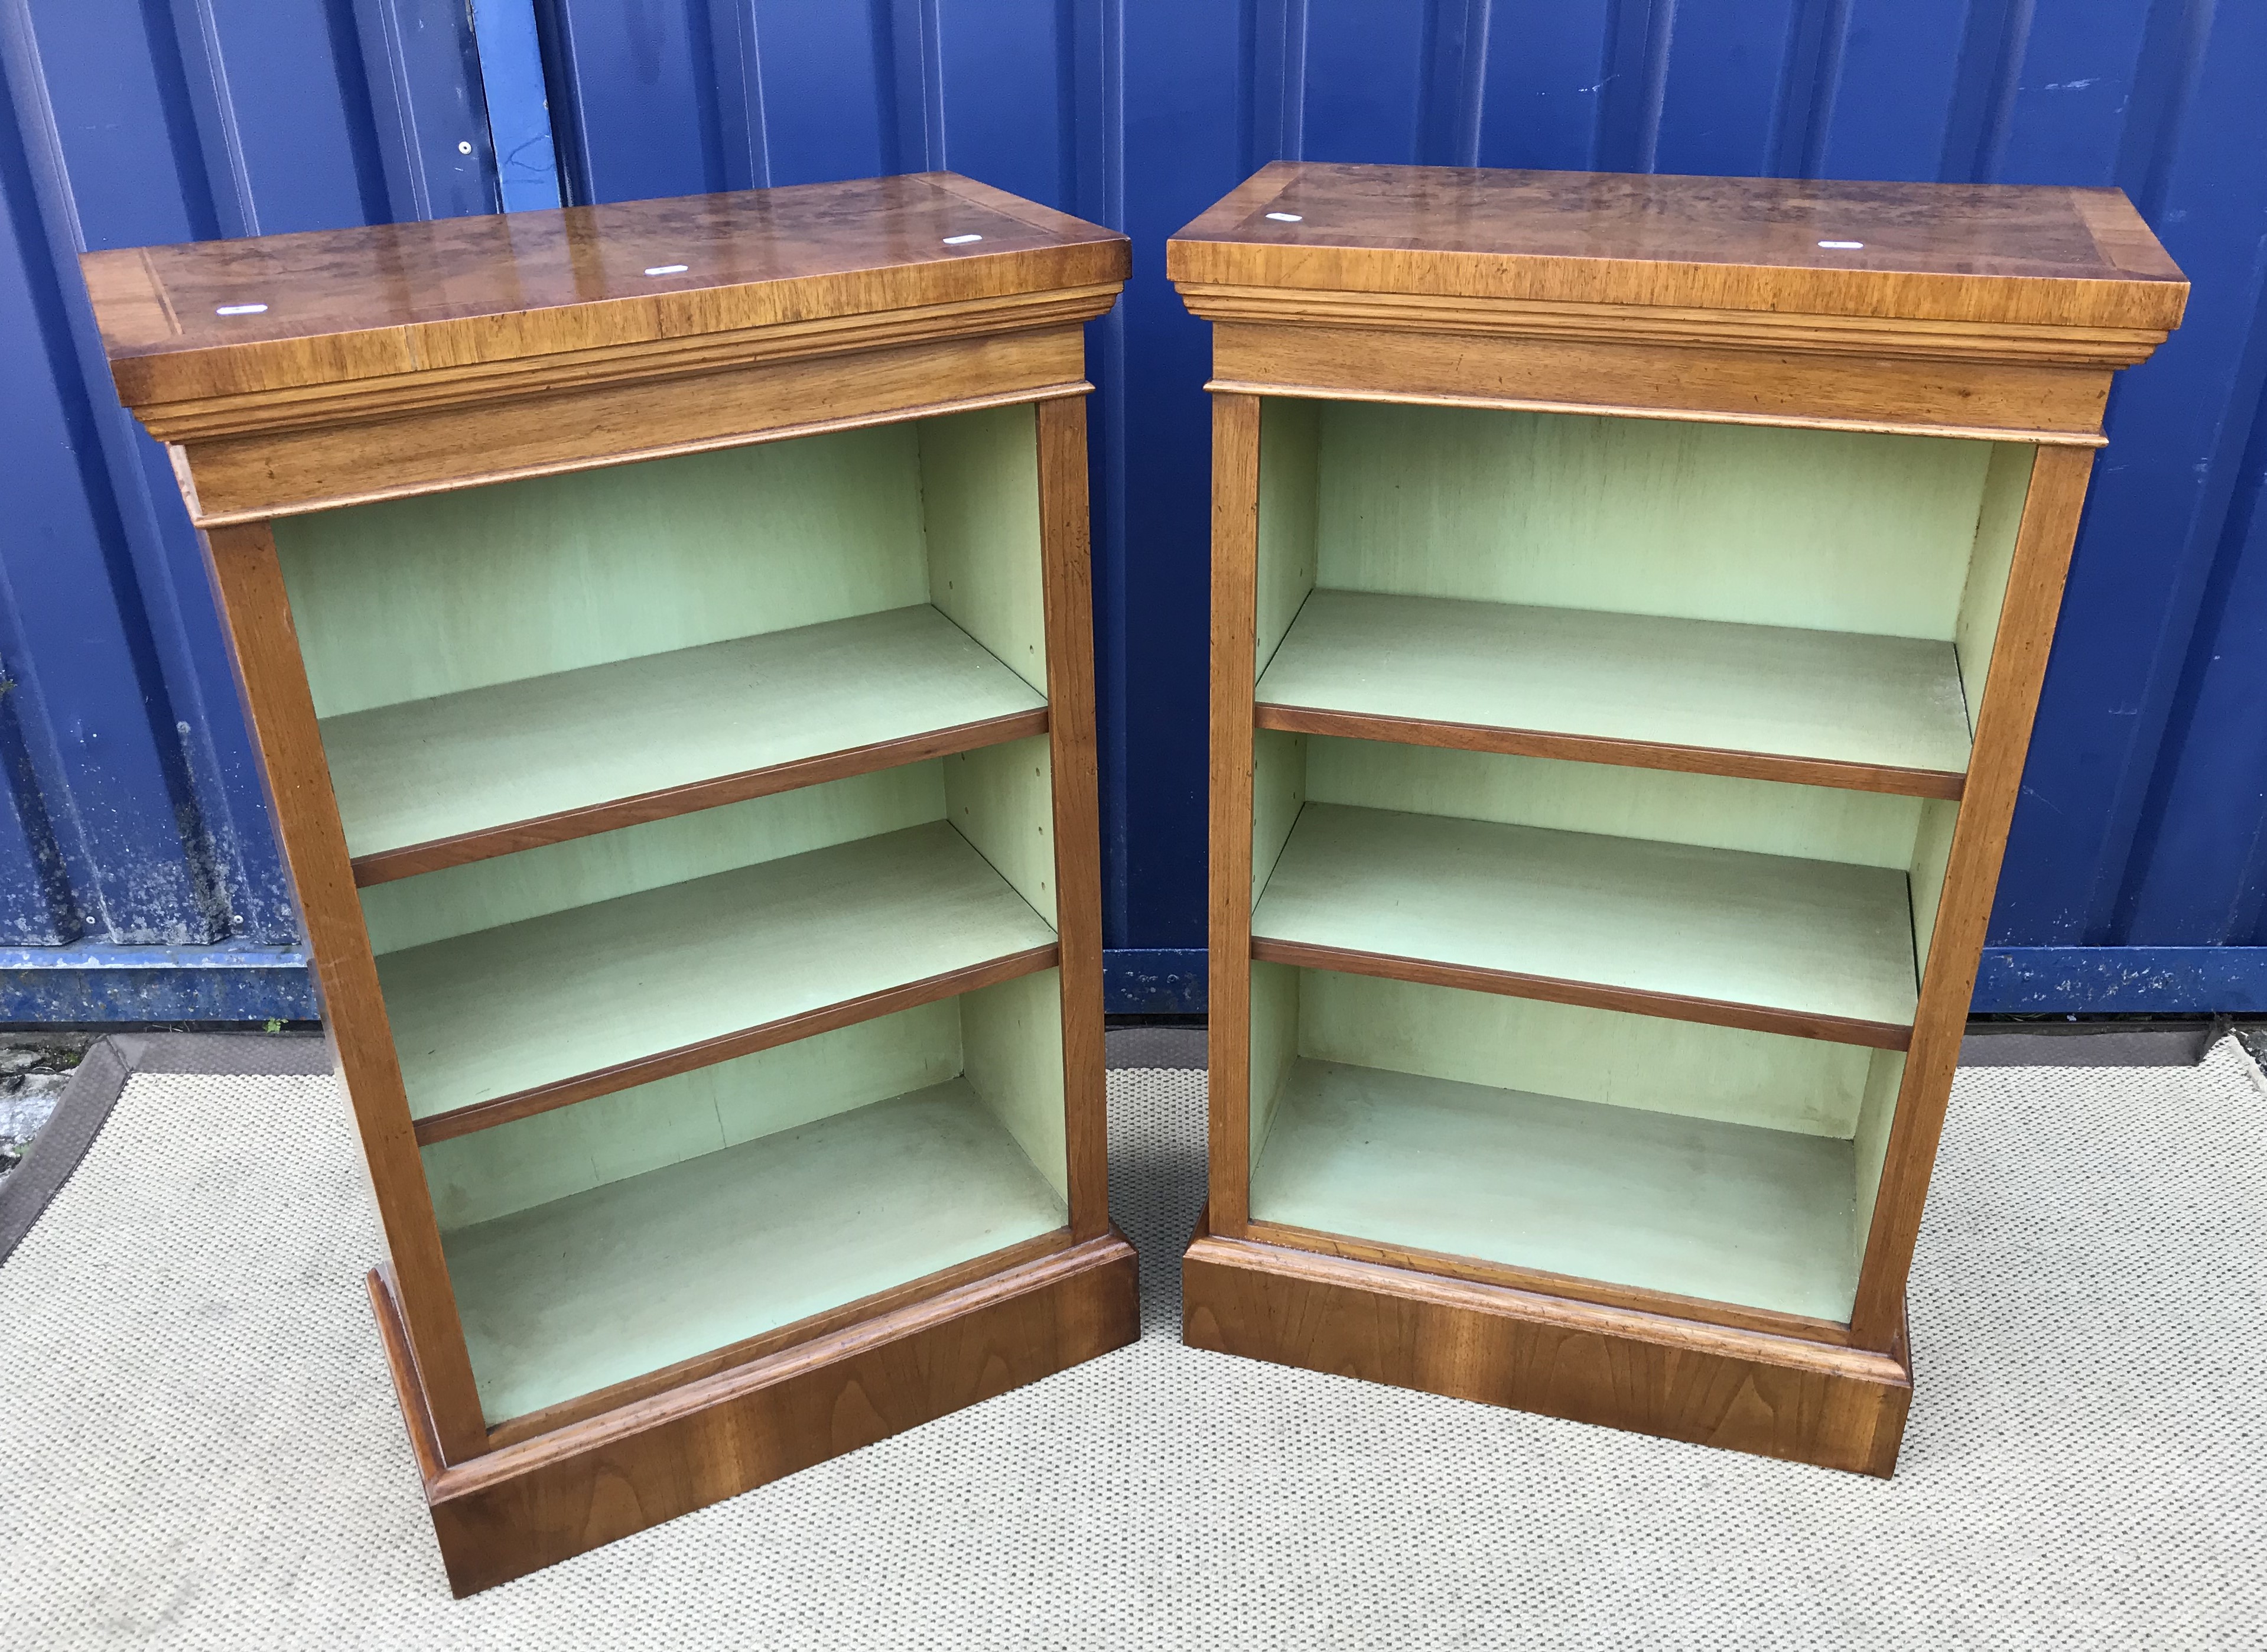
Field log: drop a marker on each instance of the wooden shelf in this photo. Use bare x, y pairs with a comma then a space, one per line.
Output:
504, 1022
1766, 702
1724, 1212
641, 1273
463, 776
1763, 942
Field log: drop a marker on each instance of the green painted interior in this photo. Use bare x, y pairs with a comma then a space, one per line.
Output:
1289, 492
1932, 856
487, 1014
1012, 1037
1833, 695
637, 1273
1002, 799
510, 889
1275, 1025
1804, 1085
979, 477
1823, 530
1818, 823
1814, 937
412, 598
426, 769
1725, 1212
1278, 791
569, 1150
2005, 490
1874, 1116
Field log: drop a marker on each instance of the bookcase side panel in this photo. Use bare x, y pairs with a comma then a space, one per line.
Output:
1276, 991
405, 599
1002, 799
1289, 496
980, 512
2052, 501
1235, 556
1012, 1037
249, 591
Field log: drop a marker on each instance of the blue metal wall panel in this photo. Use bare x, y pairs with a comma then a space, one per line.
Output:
2136, 874
135, 845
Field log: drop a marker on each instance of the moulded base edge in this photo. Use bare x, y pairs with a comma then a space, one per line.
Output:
1743, 1391
529, 1505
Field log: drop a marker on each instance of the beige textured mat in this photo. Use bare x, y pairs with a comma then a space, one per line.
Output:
202, 1449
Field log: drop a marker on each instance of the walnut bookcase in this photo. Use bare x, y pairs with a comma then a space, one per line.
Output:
699, 855
1630, 601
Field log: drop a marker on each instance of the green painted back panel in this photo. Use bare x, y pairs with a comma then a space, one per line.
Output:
509, 888
1823, 529
1819, 823
1804, 1085
1878, 1112
411, 598
980, 479
570, 1150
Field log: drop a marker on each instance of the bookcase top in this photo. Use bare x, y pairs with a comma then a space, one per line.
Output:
332, 306
2045, 256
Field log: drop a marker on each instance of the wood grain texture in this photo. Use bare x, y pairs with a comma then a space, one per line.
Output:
1770, 1396
248, 591
301, 467
424, 298
1067, 593
2040, 256
1986, 399
1235, 618
560, 1494
1979, 839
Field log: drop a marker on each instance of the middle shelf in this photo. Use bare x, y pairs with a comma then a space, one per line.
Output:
1769, 701
1770, 943
434, 782
501, 1023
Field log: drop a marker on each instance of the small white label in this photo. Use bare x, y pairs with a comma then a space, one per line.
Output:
961, 240
667, 269
242, 309
1288, 218
1842, 246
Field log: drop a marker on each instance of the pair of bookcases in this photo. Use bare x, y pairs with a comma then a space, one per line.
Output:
1627, 618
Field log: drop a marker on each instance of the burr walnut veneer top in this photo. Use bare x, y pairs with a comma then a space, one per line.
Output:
341, 305
1961, 253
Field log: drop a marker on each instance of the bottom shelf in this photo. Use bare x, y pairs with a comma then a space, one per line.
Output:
1727, 1212
635, 1274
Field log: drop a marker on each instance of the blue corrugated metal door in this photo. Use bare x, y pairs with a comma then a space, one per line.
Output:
2135, 872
